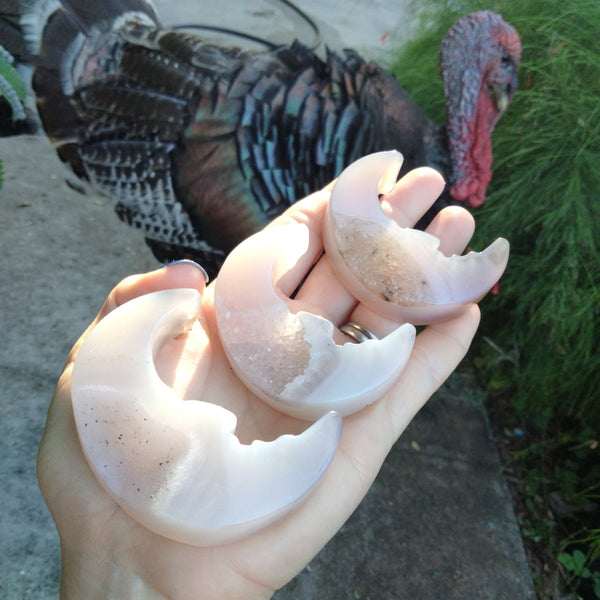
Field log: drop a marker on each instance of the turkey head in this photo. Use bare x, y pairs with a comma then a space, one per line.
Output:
479, 59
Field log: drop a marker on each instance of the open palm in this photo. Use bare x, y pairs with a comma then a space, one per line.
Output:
105, 553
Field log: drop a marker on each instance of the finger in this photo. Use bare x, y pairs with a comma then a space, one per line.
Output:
438, 350
309, 211
454, 227
322, 293
413, 195
181, 274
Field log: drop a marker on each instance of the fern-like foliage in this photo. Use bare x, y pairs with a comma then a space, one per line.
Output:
539, 347
12, 89
544, 198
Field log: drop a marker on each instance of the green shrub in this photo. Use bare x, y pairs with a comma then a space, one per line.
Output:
543, 326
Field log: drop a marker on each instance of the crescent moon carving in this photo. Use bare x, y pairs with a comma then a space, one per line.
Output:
396, 271
176, 466
285, 355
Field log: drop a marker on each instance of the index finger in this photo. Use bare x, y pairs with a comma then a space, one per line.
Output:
185, 274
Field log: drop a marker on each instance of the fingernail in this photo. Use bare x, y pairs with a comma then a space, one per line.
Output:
189, 262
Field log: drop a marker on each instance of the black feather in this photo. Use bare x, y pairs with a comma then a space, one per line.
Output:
201, 146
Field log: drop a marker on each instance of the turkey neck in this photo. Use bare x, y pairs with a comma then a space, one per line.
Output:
480, 53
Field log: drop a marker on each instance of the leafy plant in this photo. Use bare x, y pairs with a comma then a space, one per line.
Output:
538, 350
543, 198
12, 87
12, 90
576, 564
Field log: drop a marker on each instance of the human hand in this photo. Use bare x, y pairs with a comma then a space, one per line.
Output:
107, 554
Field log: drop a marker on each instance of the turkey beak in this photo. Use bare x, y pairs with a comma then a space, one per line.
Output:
501, 95
502, 103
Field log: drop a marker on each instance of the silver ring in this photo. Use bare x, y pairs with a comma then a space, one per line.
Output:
358, 332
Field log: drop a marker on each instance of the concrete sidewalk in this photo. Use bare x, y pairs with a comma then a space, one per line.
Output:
438, 522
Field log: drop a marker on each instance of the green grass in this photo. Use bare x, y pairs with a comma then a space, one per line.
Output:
538, 350
544, 197
546, 200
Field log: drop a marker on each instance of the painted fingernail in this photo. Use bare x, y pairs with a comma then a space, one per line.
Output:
189, 262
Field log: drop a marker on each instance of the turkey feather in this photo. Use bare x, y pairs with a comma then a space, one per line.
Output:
227, 139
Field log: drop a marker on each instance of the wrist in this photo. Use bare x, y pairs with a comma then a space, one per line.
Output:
104, 576
93, 578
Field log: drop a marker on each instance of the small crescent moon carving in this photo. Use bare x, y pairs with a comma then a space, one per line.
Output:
396, 271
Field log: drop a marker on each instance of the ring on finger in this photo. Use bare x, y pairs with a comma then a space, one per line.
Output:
357, 332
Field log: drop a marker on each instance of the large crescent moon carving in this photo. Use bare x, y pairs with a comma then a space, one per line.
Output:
176, 466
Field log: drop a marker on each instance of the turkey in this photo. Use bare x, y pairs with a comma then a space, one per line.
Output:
200, 145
